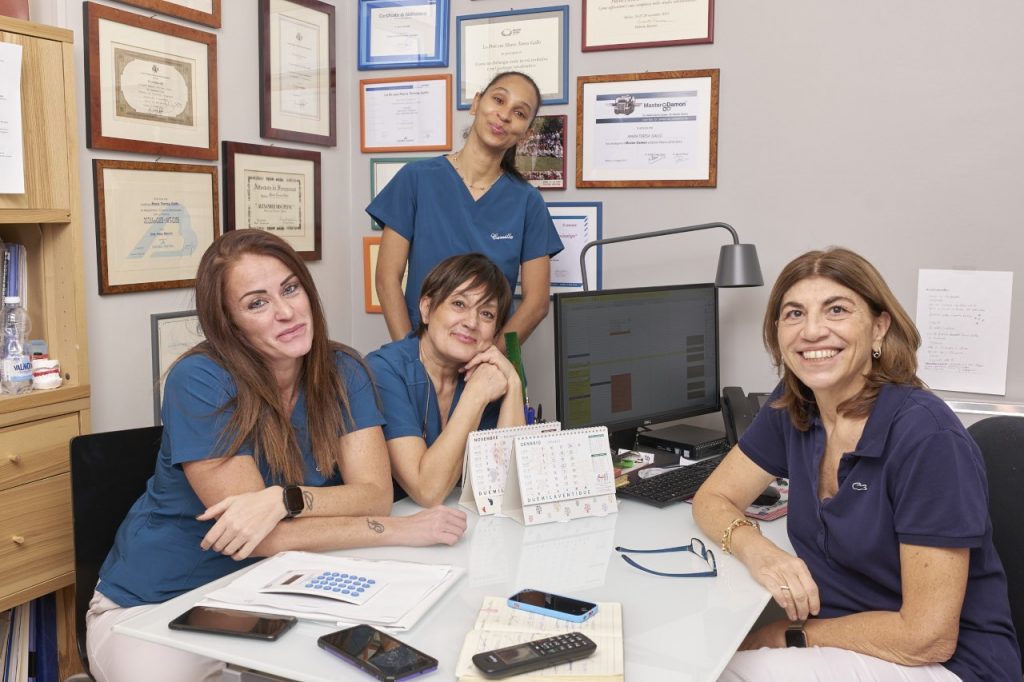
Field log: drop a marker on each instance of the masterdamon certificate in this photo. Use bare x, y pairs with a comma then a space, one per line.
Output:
647, 129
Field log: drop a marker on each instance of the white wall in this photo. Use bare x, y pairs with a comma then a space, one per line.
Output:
892, 128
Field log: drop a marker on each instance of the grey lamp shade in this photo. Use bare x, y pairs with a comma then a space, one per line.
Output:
738, 266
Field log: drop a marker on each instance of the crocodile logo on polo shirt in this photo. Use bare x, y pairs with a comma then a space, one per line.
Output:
857, 485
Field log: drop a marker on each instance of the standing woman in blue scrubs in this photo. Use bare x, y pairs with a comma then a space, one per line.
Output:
271, 442
448, 378
473, 200
895, 575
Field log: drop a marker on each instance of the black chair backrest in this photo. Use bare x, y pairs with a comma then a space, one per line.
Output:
108, 473
1001, 440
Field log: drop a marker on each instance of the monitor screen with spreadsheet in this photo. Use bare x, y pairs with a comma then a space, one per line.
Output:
632, 357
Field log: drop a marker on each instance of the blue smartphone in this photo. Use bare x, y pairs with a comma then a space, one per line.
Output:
547, 604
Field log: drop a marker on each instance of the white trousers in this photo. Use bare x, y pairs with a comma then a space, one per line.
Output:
119, 658
825, 664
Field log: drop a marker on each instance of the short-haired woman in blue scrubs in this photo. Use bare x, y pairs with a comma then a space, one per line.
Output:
473, 200
447, 378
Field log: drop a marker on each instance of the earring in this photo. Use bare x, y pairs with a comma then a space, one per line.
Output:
876, 353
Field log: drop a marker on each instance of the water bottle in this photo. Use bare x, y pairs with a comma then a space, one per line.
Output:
16, 375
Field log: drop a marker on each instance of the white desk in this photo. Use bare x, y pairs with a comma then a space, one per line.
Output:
680, 629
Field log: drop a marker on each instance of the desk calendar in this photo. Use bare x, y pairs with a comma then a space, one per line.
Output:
485, 465
559, 476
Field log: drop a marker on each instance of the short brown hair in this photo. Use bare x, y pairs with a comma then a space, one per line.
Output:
898, 361
474, 269
259, 418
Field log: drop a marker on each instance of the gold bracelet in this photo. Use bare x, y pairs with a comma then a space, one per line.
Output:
736, 523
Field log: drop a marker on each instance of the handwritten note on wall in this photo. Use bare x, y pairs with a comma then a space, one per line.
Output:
964, 320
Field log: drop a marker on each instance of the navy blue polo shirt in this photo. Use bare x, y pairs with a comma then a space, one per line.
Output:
916, 478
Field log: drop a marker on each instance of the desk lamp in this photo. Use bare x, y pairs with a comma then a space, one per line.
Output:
737, 263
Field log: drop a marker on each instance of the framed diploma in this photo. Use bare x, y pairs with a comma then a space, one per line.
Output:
620, 24
206, 12
297, 101
405, 113
531, 41
371, 249
647, 129
540, 157
152, 85
382, 169
276, 190
395, 34
172, 334
577, 223
153, 223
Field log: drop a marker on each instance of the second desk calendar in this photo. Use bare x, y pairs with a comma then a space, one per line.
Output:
560, 476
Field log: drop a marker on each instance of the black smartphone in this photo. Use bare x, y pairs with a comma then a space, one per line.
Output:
556, 606
232, 622
378, 653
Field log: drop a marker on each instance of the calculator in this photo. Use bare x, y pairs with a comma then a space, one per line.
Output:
353, 588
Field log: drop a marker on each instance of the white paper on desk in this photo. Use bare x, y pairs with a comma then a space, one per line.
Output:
12, 155
412, 589
964, 320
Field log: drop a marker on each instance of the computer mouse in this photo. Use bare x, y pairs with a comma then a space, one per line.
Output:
769, 497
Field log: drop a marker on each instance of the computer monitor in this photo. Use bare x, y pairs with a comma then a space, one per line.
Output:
626, 358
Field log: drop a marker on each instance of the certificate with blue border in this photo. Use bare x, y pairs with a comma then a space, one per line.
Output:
577, 223
532, 41
396, 34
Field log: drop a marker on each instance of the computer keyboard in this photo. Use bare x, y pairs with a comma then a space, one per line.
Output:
672, 486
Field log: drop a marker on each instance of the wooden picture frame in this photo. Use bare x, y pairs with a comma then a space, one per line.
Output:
382, 169
540, 156
656, 129
297, 84
276, 190
391, 31
371, 250
171, 334
206, 12
481, 55
154, 221
630, 24
405, 113
152, 85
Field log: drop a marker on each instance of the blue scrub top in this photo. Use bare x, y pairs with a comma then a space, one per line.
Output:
915, 478
408, 396
156, 553
430, 206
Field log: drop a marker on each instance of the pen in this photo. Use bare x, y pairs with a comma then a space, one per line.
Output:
540, 413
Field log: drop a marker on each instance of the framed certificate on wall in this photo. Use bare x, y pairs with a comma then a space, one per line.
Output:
396, 34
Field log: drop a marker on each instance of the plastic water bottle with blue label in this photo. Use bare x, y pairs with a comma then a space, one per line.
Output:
16, 375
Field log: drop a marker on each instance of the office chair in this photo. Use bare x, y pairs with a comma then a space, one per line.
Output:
1001, 440
108, 473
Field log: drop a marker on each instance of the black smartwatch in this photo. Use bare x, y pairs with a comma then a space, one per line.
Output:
294, 503
795, 635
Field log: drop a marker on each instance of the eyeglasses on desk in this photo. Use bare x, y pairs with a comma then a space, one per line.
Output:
696, 547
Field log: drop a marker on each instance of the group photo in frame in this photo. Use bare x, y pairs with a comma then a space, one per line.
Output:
276, 190
206, 12
154, 221
396, 34
171, 335
531, 41
655, 129
152, 85
405, 113
577, 223
540, 156
297, 71
382, 170
629, 24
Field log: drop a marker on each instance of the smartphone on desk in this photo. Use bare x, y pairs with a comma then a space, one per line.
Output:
378, 653
547, 604
219, 621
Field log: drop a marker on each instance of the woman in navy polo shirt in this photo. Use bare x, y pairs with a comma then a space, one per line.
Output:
473, 200
263, 422
895, 575
448, 378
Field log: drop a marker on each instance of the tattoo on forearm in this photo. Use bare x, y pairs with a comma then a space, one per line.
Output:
307, 497
375, 526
